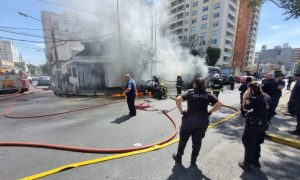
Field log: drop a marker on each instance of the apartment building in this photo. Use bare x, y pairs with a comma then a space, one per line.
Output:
202, 23
8, 51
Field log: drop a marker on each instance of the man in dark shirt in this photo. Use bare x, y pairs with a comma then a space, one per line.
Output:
130, 91
179, 83
290, 80
216, 85
269, 86
280, 84
295, 100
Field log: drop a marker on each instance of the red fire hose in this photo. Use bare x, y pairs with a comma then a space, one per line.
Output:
82, 149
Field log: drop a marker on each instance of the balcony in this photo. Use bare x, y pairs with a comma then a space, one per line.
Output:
229, 38
227, 54
230, 29
228, 46
231, 21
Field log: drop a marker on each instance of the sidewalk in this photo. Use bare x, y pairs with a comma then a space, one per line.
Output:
281, 124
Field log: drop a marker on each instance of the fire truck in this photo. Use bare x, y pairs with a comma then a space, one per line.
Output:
13, 80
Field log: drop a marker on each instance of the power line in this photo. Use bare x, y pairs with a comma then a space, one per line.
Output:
77, 9
22, 28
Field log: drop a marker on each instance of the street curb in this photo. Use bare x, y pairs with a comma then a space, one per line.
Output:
295, 143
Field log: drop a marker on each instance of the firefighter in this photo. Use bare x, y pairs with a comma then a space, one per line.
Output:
295, 102
130, 91
256, 124
179, 83
196, 119
231, 82
269, 86
216, 85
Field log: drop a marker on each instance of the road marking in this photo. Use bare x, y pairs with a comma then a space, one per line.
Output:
121, 155
284, 140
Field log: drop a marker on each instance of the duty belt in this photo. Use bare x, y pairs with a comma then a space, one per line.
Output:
254, 120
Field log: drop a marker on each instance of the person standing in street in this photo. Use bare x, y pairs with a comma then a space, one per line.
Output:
243, 88
295, 102
280, 84
290, 80
196, 119
269, 86
130, 92
179, 84
216, 85
256, 124
231, 82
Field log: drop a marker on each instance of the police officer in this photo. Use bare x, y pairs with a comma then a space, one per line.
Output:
256, 124
243, 88
295, 100
196, 119
130, 91
269, 86
290, 80
231, 82
216, 85
179, 83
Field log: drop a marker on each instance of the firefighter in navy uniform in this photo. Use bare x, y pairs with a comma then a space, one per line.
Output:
179, 84
216, 85
130, 91
256, 124
196, 119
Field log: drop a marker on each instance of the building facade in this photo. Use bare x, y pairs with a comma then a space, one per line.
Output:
245, 41
278, 55
203, 23
8, 51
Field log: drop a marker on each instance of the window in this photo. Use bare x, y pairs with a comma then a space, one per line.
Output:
74, 72
214, 33
194, 29
187, 14
69, 71
194, 13
217, 14
215, 24
195, 4
185, 30
217, 5
186, 21
214, 41
194, 20
204, 17
205, 8
205, 1
203, 35
204, 26
187, 6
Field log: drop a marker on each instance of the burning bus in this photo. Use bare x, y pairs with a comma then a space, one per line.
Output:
13, 80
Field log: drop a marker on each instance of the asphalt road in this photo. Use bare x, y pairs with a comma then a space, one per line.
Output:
106, 127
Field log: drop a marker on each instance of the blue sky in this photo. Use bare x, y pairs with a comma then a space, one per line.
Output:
273, 29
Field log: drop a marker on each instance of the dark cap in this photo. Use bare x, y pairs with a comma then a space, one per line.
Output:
279, 74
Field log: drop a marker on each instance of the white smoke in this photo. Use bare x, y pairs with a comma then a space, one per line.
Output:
135, 53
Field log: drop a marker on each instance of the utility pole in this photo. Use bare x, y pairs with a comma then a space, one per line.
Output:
119, 28
55, 56
153, 55
155, 44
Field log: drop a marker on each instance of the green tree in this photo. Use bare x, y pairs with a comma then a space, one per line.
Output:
213, 55
45, 69
291, 7
20, 65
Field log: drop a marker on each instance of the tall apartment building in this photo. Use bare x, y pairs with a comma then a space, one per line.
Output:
247, 26
8, 51
203, 23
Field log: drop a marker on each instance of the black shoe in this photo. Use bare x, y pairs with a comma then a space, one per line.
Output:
295, 132
177, 158
256, 164
193, 161
245, 166
132, 114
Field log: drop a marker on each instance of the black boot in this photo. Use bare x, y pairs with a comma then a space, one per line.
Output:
256, 164
178, 158
193, 160
245, 165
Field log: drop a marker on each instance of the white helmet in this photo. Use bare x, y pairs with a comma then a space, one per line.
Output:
216, 75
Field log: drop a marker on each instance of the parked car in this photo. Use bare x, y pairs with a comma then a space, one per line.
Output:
43, 81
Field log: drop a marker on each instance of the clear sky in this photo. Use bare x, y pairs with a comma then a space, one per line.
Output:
273, 29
